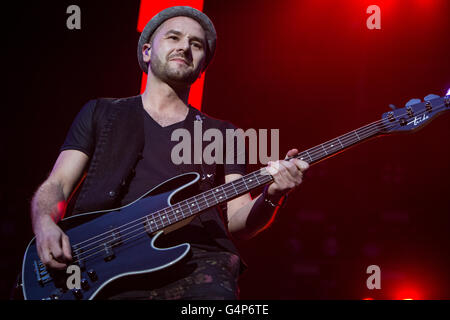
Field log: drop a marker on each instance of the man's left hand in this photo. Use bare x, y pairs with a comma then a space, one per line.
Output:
287, 175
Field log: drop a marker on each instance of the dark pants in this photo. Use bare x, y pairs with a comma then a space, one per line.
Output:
199, 276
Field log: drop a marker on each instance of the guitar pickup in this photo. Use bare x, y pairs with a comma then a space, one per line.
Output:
109, 253
116, 238
76, 255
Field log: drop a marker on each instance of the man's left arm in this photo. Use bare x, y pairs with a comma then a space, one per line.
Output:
247, 217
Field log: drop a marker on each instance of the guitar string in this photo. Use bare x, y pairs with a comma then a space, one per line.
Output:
370, 125
345, 140
187, 200
206, 201
236, 185
143, 232
139, 225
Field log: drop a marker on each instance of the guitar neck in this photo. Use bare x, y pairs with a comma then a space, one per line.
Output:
228, 191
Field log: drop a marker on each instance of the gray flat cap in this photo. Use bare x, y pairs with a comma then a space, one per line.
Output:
157, 20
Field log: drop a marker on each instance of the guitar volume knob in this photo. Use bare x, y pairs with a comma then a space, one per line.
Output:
85, 284
92, 275
77, 294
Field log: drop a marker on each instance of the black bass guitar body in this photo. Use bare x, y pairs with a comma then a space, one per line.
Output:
107, 245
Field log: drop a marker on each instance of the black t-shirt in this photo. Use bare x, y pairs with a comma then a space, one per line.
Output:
154, 167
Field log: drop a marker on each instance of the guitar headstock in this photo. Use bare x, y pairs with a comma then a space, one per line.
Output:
415, 114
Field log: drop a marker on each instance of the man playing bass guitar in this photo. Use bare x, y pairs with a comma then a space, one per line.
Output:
124, 145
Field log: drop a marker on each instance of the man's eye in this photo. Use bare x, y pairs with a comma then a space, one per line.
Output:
197, 45
173, 37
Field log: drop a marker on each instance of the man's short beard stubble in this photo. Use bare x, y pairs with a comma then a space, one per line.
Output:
171, 75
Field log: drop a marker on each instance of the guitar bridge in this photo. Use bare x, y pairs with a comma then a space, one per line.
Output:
42, 275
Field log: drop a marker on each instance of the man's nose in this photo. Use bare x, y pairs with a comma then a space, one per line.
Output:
183, 44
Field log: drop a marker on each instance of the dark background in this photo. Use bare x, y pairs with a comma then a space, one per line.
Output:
309, 68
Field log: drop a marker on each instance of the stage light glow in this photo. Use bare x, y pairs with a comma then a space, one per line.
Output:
61, 208
409, 293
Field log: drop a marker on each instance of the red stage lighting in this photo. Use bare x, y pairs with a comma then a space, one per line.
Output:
409, 293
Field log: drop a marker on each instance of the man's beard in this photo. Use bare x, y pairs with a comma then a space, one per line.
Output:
171, 74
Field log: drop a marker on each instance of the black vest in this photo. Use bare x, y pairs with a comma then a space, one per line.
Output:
117, 123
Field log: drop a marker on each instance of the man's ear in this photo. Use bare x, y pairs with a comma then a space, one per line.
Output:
146, 51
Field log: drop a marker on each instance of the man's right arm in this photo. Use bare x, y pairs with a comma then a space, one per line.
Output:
47, 208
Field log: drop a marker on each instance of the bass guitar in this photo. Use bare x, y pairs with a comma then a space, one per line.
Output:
110, 244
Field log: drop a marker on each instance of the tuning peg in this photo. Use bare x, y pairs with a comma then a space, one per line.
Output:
430, 97
412, 101
392, 106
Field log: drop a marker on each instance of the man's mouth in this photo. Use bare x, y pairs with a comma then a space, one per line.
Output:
180, 60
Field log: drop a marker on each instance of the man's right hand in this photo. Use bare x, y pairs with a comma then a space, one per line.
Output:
52, 243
